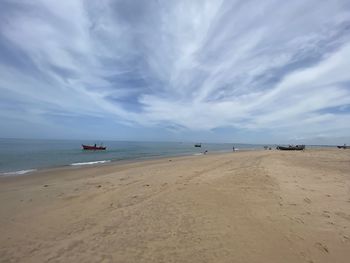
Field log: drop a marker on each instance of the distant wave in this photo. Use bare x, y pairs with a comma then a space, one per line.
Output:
198, 154
89, 163
20, 172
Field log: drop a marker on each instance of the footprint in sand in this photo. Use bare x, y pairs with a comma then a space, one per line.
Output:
326, 214
298, 220
307, 200
346, 238
306, 213
322, 247
343, 215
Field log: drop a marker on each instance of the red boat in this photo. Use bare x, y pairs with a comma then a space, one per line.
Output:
93, 147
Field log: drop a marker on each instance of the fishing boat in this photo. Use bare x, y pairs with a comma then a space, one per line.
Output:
291, 148
198, 145
93, 147
343, 147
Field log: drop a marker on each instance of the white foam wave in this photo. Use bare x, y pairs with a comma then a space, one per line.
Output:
20, 172
89, 163
198, 154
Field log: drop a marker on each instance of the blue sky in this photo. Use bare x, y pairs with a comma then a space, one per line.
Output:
224, 71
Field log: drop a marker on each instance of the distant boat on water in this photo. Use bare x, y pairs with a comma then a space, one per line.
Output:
198, 145
343, 147
93, 147
291, 148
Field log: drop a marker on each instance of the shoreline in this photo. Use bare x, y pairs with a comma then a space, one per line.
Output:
36, 164
98, 163
32, 171
116, 163
112, 165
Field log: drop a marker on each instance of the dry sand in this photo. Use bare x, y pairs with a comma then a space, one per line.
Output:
263, 206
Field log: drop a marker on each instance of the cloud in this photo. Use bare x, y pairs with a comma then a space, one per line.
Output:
188, 65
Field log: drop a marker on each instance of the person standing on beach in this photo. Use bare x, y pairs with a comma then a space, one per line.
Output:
233, 148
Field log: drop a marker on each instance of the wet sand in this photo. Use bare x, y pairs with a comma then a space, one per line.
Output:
259, 206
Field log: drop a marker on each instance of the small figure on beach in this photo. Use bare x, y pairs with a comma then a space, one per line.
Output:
233, 148
206, 151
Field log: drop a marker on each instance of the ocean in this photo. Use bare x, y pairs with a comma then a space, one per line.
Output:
21, 156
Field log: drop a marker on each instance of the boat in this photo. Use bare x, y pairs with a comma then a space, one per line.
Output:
198, 145
291, 148
93, 147
343, 147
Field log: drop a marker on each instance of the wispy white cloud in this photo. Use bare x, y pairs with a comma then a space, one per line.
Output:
188, 65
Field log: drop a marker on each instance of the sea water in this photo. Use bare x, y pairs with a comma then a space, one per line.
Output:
21, 156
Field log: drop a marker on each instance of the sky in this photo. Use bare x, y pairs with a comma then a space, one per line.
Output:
176, 70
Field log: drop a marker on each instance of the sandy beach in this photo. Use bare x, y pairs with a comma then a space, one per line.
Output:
253, 206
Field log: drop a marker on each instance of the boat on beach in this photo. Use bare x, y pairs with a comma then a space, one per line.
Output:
93, 147
291, 148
